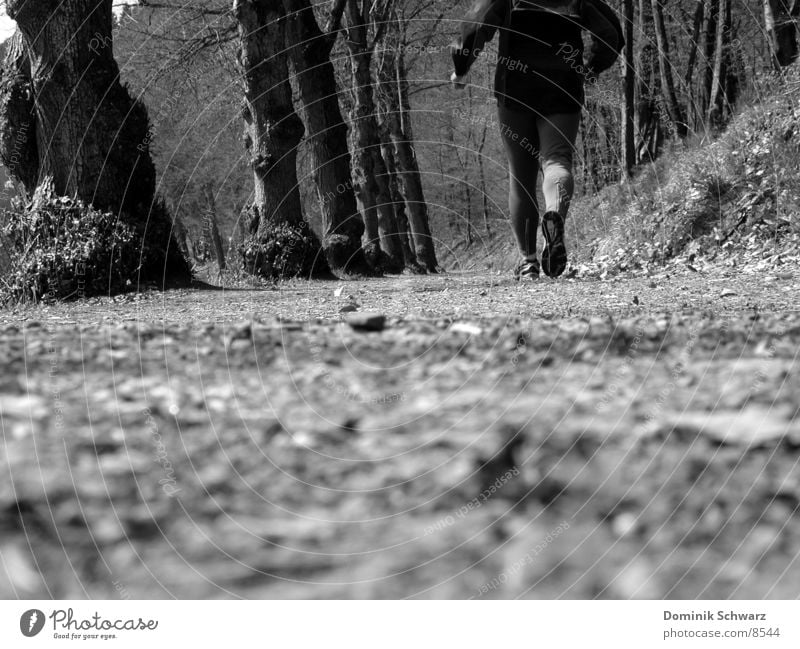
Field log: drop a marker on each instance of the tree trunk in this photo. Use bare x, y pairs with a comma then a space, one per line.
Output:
665, 70
326, 134
212, 226
781, 31
406, 244
394, 88
735, 70
467, 185
381, 244
91, 138
482, 176
629, 81
182, 238
691, 100
388, 108
280, 243
709, 37
647, 120
80, 103
18, 149
772, 40
715, 111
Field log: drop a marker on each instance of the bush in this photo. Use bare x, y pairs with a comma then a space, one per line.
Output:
62, 249
282, 250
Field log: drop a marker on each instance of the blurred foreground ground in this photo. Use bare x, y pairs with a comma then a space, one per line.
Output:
633, 437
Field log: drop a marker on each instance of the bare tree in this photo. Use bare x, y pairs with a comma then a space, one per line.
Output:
628, 106
211, 226
393, 83
665, 70
694, 44
398, 204
326, 133
482, 176
91, 138
369, 169
648, 123
280, 242
18, 148
780, 25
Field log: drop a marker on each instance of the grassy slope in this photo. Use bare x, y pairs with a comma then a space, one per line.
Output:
710, 198
740, 191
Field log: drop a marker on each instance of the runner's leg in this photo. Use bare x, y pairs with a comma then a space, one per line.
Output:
521, 142
557, 135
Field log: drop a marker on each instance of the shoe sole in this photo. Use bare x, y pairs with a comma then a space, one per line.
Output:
554, 255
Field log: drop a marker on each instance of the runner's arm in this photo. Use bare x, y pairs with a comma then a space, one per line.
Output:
477, 29
605, 33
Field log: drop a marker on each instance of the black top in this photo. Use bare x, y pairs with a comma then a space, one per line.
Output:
540, 64
542, 69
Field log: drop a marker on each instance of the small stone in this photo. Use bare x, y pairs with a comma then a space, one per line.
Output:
303, 439
466, 328
726, 292
237, 333
366, 321
636, 580
624, 524
348, 308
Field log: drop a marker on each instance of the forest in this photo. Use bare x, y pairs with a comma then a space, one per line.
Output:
284, 138
260, 340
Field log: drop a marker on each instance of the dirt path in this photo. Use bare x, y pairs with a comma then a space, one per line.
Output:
634, 437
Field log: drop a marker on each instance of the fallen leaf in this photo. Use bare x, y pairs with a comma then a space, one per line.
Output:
752, 426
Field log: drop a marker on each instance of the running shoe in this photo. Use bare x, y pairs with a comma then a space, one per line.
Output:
554, 255
527, 270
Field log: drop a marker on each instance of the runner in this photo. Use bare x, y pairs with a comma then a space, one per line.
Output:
539, 90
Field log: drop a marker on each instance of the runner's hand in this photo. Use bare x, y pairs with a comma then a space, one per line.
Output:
458, 82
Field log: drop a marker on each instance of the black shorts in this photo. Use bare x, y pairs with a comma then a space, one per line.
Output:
543, 93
